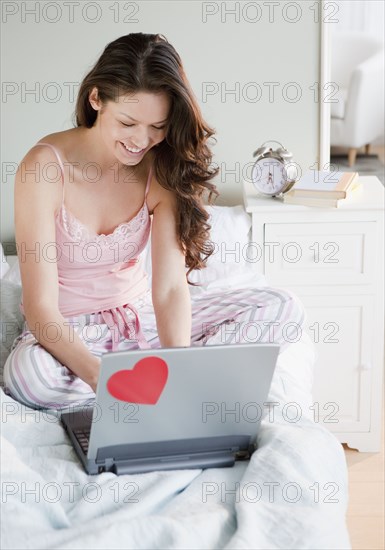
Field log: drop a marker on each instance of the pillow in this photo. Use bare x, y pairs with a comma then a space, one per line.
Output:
12, 320
233, 264
13, 273
4, 265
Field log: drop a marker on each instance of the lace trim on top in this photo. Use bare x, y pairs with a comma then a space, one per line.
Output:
79, 232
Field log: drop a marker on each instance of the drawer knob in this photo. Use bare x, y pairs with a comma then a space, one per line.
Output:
366, 366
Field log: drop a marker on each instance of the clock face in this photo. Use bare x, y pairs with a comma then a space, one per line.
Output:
269, 176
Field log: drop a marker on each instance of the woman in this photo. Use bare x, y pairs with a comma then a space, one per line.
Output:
138, 149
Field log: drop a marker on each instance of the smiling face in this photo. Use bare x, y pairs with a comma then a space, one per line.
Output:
130, 126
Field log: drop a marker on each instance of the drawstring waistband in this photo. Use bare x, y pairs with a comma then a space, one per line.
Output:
116, 318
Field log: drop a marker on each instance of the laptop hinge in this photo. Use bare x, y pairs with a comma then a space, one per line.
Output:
172, 448
191, 461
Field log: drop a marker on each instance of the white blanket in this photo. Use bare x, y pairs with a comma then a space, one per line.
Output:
291, 494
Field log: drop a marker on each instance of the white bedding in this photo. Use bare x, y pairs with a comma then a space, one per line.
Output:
292, 493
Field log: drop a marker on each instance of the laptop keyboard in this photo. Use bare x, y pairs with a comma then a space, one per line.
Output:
83, 437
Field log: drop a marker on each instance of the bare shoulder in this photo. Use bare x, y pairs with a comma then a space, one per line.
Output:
39, 154
58, 139
35, 173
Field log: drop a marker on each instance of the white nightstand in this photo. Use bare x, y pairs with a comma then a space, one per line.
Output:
333, 259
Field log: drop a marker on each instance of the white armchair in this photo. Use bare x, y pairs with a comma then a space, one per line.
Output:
357, 67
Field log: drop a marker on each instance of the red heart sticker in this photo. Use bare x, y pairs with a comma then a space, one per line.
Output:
143, 384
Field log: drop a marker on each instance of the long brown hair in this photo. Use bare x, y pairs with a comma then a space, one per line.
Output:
139, 62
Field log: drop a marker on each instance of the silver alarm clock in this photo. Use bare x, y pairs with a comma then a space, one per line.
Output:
273, 172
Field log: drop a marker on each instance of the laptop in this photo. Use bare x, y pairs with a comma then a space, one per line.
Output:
174, 408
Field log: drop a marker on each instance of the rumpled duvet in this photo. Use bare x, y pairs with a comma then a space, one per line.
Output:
291, 494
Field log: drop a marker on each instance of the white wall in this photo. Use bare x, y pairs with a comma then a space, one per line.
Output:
223, 50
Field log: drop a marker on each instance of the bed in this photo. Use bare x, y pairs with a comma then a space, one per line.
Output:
292, 494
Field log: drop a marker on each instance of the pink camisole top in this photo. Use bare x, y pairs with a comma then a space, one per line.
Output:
101, 273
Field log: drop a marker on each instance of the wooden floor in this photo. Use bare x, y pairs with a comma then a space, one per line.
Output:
365, 517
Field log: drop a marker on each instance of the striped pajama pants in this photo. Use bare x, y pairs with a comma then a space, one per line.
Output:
35, 378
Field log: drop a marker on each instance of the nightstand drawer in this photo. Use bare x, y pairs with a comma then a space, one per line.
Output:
320, 253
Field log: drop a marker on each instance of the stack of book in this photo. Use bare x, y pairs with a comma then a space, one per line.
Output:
322, 189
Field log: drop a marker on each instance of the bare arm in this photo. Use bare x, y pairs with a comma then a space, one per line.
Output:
36, 202
170, 293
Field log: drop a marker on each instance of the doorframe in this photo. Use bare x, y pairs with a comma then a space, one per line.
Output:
325, 75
